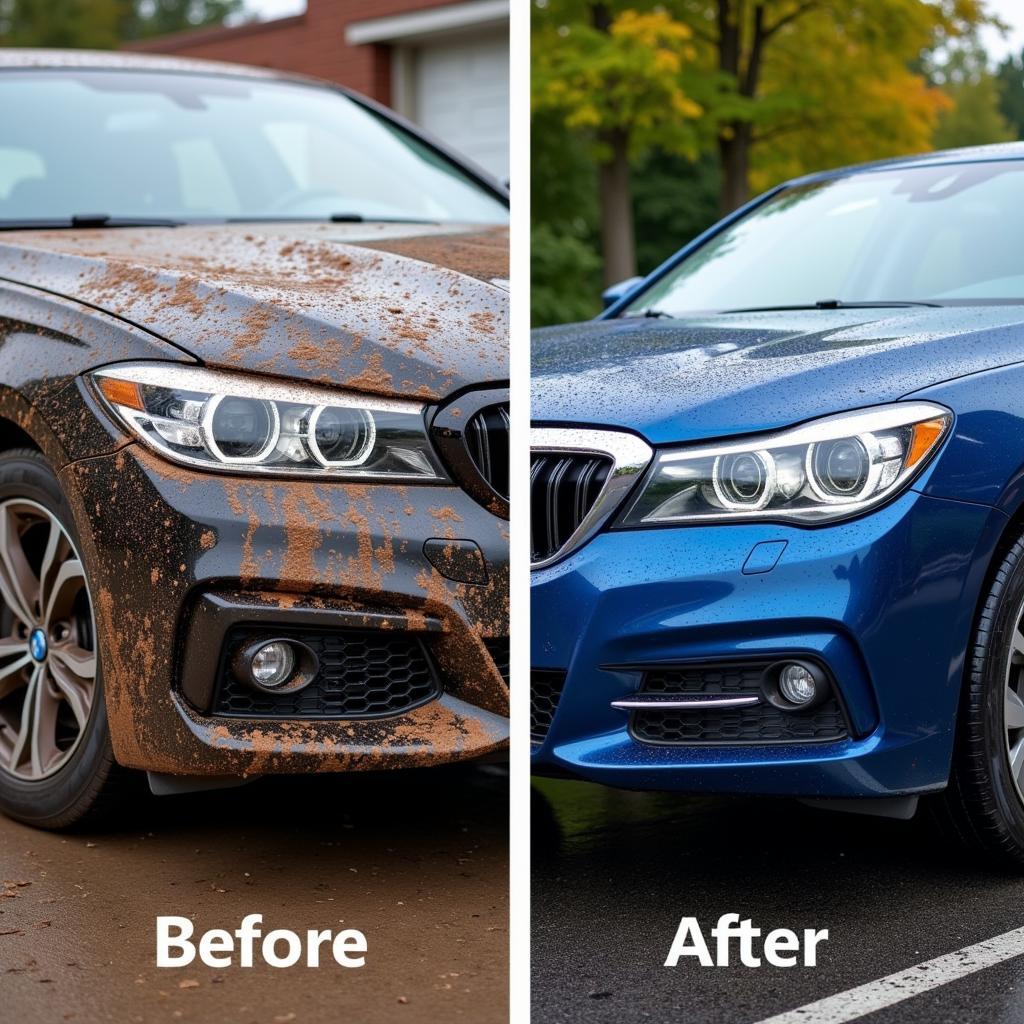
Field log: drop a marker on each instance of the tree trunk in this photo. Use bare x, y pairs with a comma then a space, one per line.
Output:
617, 239
734, 155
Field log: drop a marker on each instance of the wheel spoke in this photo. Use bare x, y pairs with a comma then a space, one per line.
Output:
75, 691
79, 661
36, 744
18, 587
70, 572
1013, 712
56, 549
1016, 646
1017, 760
13, 660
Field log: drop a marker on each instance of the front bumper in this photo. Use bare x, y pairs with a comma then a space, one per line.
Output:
887, 601
158, 540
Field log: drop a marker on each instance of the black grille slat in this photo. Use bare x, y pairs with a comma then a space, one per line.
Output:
499, 649
487, 440
545, 693
563, 489
363, 674
758, 724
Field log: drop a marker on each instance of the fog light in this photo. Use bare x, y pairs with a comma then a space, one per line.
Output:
272, 665
797, 684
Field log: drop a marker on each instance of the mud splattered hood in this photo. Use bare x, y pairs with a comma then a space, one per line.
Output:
409, 310
693, 379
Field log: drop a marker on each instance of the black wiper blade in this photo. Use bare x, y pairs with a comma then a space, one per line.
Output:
652, 312
835, 304
86, 220
334, 218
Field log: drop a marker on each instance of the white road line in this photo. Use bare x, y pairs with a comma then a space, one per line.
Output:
876, 995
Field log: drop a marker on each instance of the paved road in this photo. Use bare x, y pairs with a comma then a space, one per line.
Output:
613, 872
417, 861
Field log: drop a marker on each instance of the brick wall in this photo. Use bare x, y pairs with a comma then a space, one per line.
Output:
312, 43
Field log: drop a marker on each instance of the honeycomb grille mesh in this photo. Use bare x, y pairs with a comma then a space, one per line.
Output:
545, 693
759, 723
363, 674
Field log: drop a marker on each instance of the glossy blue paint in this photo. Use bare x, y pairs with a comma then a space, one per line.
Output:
763, 557
888, 600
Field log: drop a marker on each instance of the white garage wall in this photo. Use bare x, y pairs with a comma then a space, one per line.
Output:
458, 90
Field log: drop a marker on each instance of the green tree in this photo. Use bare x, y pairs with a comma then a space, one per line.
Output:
147, 18
104, 24
975, 118
623, 79
1010, 76
814, 82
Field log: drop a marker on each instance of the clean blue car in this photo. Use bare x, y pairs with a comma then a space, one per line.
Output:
778, 505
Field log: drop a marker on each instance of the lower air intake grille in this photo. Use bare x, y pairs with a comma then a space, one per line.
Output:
563, 489
545, 693
487, 440
757, 723
363, 674
499, 651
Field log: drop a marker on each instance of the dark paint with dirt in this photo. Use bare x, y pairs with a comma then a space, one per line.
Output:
407, 311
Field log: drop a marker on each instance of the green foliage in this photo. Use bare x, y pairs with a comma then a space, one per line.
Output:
975, 117
675, 200
60, 23
147, 18
828, 84
104, 24
1010, 77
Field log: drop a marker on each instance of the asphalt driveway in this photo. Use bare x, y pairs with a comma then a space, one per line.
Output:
613, 873
416, 860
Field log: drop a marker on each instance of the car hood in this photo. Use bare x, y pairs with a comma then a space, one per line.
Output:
717, 376
411, 310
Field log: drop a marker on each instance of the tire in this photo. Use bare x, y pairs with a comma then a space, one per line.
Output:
983, 805
49, 781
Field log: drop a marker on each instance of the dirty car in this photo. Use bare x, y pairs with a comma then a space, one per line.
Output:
254, 433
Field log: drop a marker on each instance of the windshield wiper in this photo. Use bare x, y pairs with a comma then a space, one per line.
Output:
334, 218
652, 312
834, 304
86, 220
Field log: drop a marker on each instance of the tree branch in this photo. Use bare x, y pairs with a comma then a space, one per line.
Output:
798, 12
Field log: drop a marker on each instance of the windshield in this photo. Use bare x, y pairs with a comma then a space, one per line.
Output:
192, 147
925, 234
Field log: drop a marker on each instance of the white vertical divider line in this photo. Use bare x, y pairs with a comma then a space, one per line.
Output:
519, 576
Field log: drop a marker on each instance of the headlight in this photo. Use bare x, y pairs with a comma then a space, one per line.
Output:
234, 422
822, 471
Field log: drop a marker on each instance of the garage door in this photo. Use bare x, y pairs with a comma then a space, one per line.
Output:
460, 94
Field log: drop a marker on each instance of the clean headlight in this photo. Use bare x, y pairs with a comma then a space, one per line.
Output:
240, 423
825, 470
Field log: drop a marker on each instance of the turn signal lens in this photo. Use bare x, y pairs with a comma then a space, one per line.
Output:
122, 392
925, 436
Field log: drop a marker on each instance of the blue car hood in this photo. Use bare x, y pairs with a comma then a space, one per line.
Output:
716, 376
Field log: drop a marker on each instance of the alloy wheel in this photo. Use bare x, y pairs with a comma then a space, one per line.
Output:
47, 642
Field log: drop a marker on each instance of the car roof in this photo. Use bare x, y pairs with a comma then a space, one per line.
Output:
968, 154
16, 58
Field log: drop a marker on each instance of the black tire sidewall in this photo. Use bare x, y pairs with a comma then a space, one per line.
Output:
64, 796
